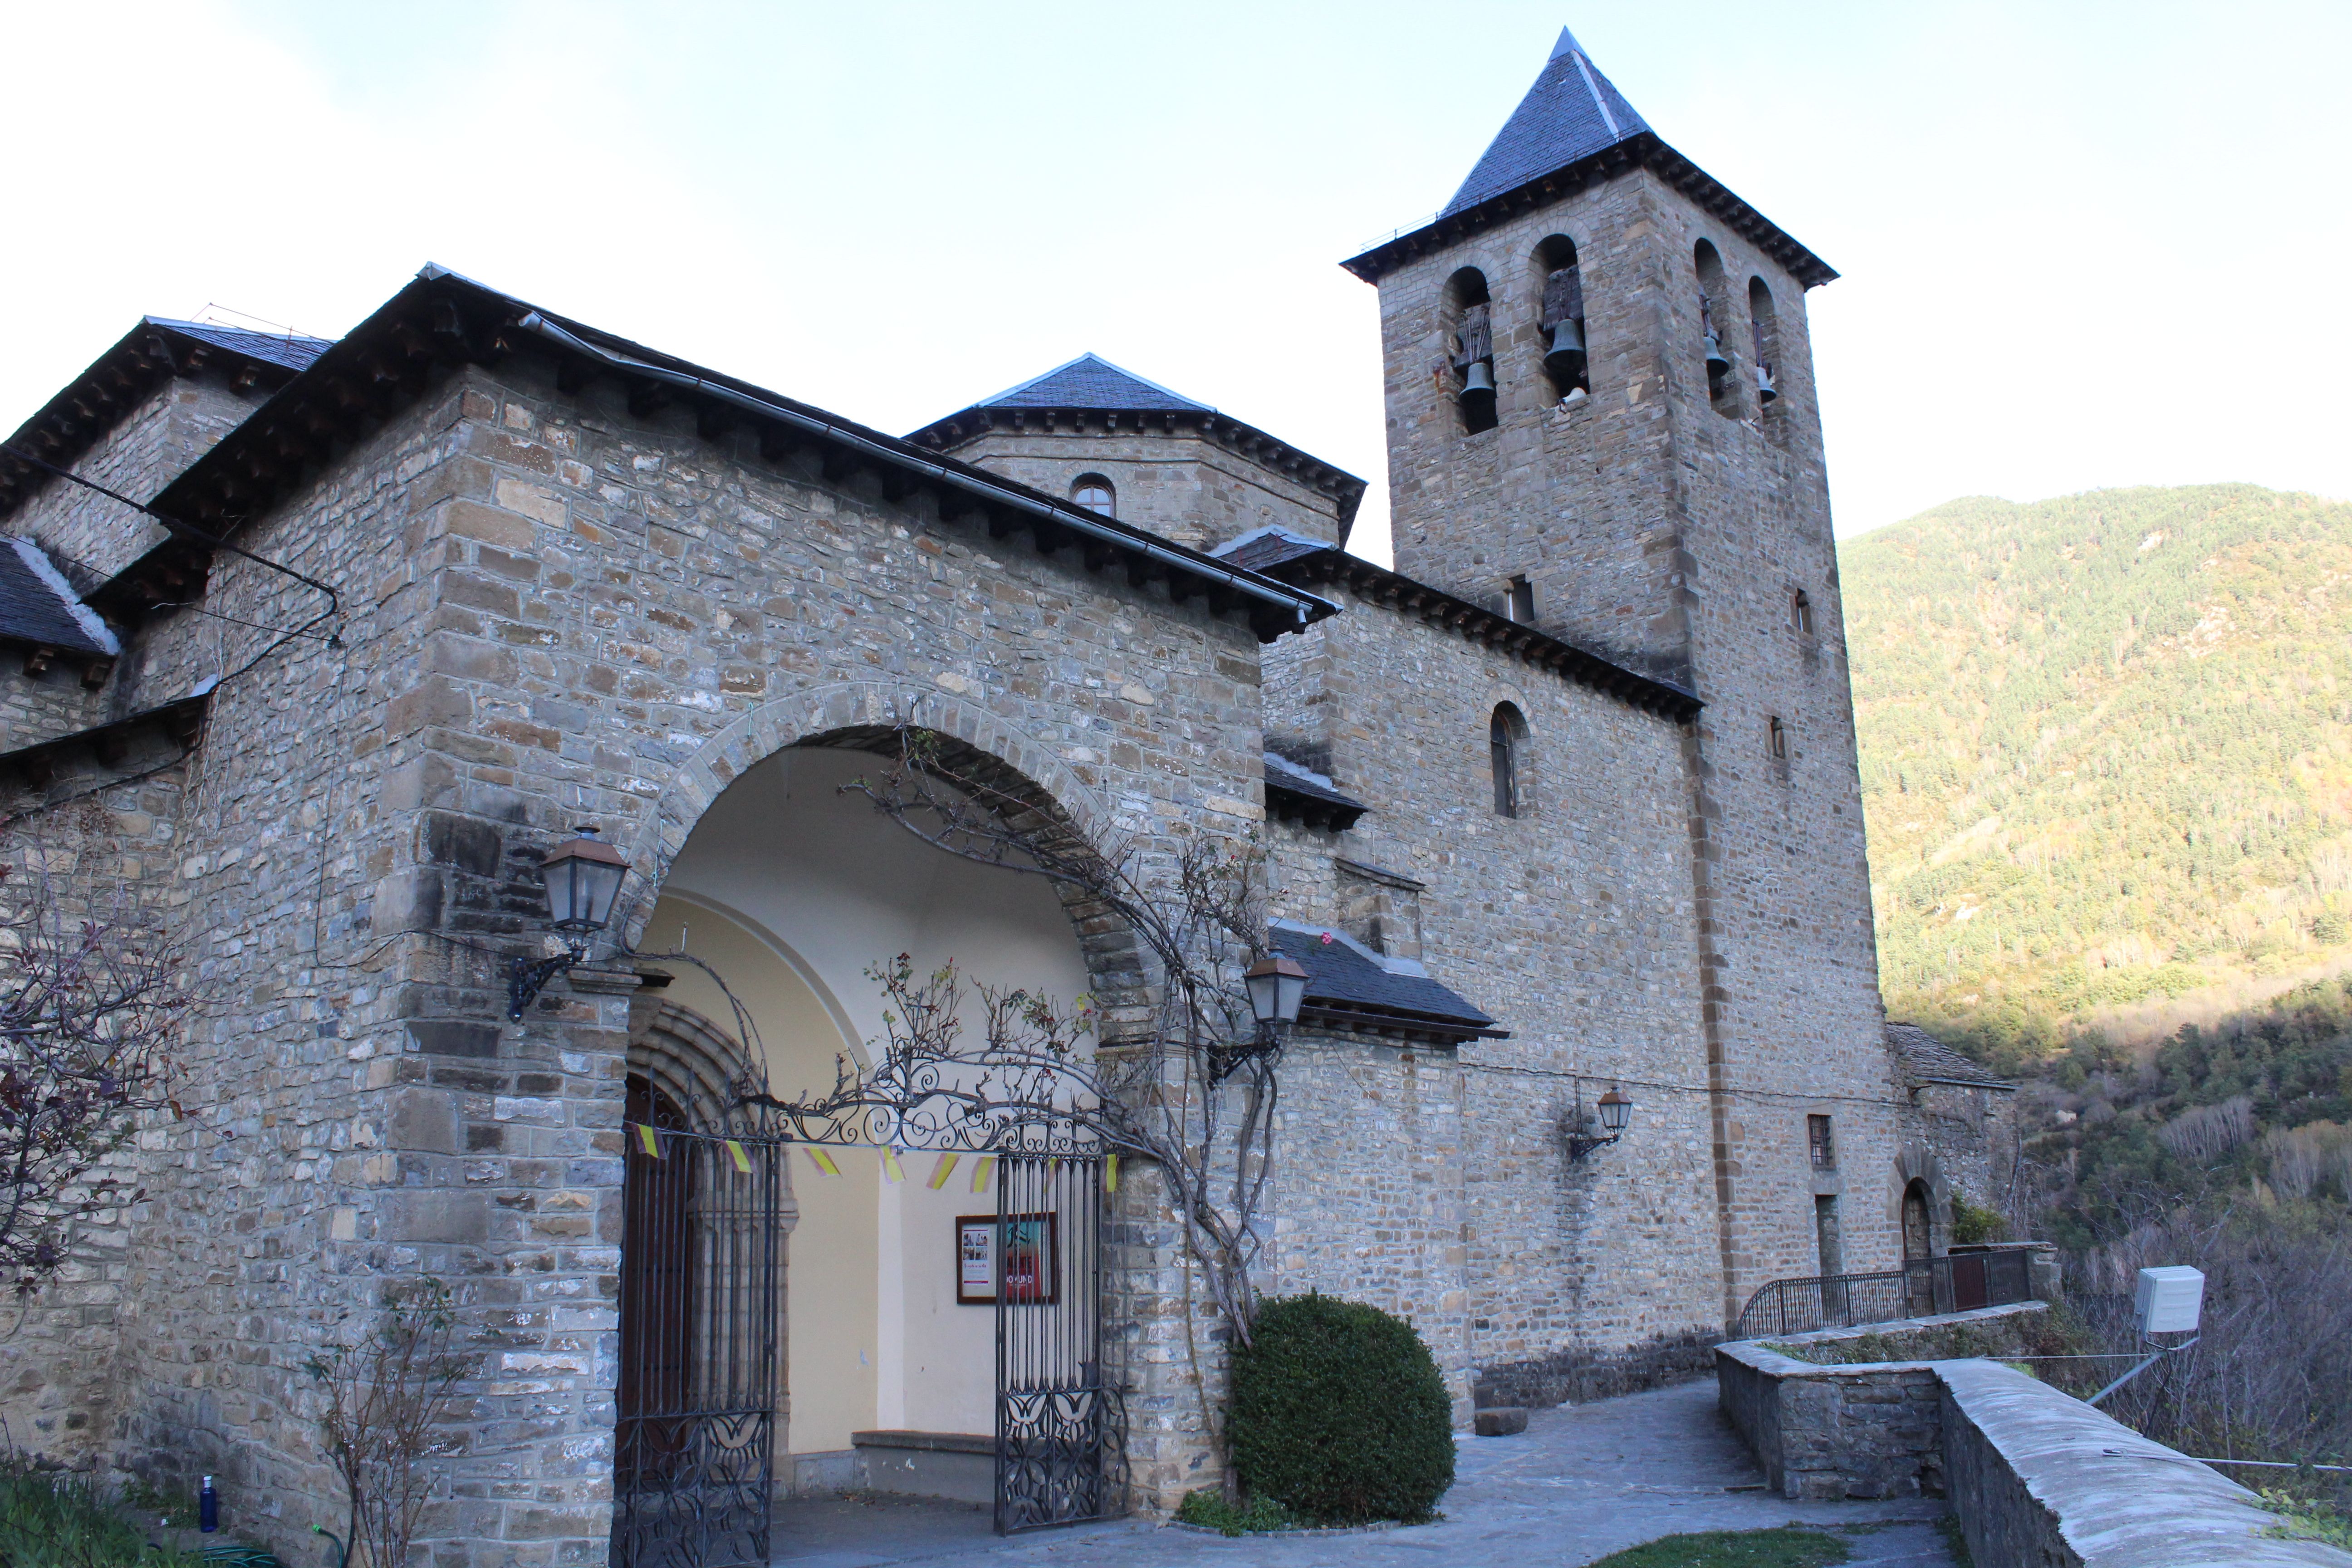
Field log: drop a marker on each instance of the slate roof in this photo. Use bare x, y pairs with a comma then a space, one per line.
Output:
1928, 1060
291, 350
1571, 112
1265, 548
1090, 380
1347, 986
1302, 794
38, 607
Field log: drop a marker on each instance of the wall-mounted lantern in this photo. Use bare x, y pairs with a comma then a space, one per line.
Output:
1616, 1109
584, 882
1277, 987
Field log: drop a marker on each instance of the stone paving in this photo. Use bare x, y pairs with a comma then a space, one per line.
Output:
1582, 1482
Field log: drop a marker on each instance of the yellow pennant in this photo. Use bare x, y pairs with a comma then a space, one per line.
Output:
822, 1160
942, 1171
742, 1161
1110, 1172
646, 1136
981, 1170
891, 1166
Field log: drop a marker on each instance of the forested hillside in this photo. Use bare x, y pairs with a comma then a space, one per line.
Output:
2106, 750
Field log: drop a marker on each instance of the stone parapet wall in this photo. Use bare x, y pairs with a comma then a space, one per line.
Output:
2035, 1475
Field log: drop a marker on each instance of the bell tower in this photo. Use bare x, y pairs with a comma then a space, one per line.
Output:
1601, 420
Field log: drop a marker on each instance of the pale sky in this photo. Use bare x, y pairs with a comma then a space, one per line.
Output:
2083, 244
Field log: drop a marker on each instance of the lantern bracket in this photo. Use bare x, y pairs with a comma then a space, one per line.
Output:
528, 978
1615, 1110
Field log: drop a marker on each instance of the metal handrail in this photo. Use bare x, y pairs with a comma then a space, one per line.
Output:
1921, 1288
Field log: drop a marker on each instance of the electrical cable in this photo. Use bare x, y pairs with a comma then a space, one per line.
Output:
335, 600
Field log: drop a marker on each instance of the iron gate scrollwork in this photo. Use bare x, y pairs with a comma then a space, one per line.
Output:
1060, 1423
701, 1293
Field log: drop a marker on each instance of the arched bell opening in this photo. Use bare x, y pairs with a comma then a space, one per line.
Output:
1470, 352
1560, 319
1716, 338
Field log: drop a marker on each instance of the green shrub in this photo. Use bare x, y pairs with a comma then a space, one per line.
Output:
1971, 1225
1211, 1511
60, 1519
1339, 1413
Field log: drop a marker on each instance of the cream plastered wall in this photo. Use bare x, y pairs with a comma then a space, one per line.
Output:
792, 891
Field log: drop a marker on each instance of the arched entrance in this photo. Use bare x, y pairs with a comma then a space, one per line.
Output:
1919, 1248
888, 1370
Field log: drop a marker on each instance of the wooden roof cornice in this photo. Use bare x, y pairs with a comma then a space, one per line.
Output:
1642, 151
1474, 623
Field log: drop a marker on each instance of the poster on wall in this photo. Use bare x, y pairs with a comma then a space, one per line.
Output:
1022, 1263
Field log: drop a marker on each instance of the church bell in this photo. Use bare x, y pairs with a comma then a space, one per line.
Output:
1477, 395
1765, 391
1566, 358
1718, 361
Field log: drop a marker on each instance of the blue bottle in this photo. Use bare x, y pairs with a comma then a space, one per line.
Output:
208, 1507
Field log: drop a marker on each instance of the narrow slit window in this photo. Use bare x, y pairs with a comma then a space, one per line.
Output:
1801, 614
1522, 602
1778, 739
1817, 1141
1505, 738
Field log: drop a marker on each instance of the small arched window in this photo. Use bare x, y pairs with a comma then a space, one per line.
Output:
1801, 614
1764, 333
1506, 737
1093, 492
1471, 349
1562, 319
1714, 320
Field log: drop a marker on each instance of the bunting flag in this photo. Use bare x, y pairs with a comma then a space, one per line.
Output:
1110, 1172
981, 1170
742, 1161
822, 1161
942, 1171
891, 1166
646, 1136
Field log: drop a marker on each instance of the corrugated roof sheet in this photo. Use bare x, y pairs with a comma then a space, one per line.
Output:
1572, 111
1925, 1057
1092, 382
1339, 975
34, 607
291, 350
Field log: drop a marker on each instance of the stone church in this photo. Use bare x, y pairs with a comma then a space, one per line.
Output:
1563, 804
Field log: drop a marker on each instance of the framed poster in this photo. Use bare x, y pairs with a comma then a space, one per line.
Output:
1023, 1263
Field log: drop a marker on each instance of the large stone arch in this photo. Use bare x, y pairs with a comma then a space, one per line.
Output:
866, 715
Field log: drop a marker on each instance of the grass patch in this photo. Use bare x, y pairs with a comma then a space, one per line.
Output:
1209, 1510
60, 1519
1784, 1548
2308, 1518
1956, 1541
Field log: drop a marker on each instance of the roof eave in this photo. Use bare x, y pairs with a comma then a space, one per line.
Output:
1478, 623
1642, 150
441, 323
1346, 490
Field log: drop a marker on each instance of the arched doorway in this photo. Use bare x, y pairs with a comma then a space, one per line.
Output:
789, 893
1918, 1250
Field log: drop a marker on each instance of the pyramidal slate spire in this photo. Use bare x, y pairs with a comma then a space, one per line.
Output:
1572, 111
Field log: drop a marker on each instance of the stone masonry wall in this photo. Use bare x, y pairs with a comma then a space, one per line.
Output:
555, 613
1572, 925
1655, 523
1183, 487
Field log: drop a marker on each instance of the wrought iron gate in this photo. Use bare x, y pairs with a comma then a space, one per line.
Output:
1060, 1424
695, 1438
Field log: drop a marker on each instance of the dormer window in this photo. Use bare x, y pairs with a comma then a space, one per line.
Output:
1093, 492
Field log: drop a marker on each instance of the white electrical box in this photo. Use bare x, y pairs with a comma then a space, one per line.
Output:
2168, 1301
